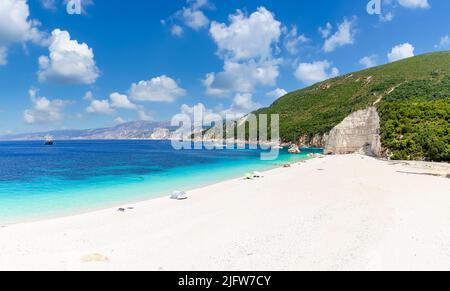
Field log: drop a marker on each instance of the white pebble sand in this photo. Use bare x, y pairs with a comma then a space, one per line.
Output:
332, 213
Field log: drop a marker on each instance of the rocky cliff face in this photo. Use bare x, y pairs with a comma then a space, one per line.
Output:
359, 132
316, 141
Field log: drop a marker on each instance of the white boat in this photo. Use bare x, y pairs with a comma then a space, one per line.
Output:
49, 140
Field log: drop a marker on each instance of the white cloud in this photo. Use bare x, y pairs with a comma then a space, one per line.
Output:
444, 42
198, 113
191, 110
242, 77
310, 73
195, 19
49, 4
53, 4
28, 117
176, 30
3, 55
326, 31
44, 110
198, 4
88, 96
345, 35
246, 45
389, 7
121, 101
247, 36
388, 16
400, 52
212, 88
116, 101
244, 102
413, 4
68, 62
368, 61
191, 16
242, 105
144, 116
16, 26
159, 89
277, 93
119, 120
100, 107
293, 40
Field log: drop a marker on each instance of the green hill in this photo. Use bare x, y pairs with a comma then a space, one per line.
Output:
412, 97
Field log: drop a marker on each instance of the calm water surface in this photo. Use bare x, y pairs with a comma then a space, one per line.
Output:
38, 181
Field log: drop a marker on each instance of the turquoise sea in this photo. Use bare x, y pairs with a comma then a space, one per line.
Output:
38, 181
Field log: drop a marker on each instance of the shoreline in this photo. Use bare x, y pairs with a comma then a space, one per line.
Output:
137, 201
283, 221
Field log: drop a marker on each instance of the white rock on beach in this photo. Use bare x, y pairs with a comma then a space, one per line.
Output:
178, 195
294, 149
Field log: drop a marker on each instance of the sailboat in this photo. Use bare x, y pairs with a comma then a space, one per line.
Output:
49, 140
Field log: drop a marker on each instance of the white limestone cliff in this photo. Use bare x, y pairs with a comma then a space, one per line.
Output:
358, 133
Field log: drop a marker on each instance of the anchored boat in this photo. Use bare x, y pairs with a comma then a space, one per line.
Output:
49, 140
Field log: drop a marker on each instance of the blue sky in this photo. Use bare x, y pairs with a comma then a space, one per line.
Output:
131, 60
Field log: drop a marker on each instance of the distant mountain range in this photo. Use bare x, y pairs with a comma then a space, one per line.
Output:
129, 130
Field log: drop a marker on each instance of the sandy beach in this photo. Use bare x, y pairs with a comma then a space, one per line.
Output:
331, 213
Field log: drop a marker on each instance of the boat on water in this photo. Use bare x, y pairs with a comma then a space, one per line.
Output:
49, 140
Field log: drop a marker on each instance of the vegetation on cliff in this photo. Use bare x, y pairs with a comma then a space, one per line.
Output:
416, 120
412, 96
416, 130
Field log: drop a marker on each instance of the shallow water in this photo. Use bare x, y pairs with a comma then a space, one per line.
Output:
38, 181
